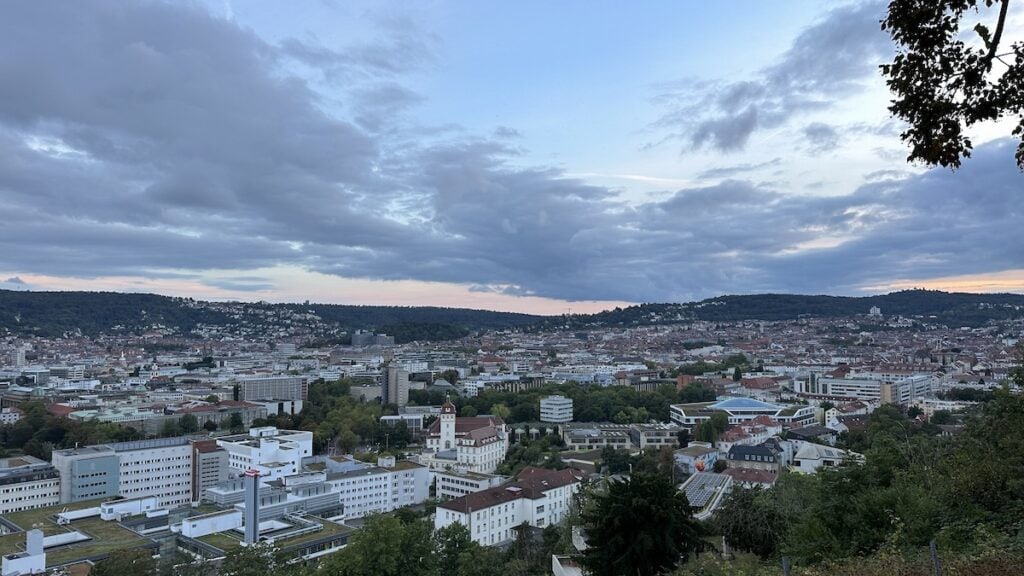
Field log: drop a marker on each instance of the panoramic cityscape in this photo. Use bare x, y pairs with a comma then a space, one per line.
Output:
511, 289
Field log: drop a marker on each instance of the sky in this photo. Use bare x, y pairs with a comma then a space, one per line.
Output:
526, 156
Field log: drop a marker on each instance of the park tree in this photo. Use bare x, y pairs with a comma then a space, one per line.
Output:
749, 520
942, 84
188, 424
642, 526
710, 429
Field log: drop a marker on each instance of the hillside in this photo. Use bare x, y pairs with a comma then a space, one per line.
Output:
950, 308
95, 313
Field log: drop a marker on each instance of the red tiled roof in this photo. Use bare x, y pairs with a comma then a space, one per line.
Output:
465, 424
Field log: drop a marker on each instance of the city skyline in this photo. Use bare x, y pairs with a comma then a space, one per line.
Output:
543, 158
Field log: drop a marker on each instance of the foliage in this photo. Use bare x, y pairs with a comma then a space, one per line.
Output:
387, 547
40, 432
92, 313
709, 430
750, 521
130, 562
642, 526
943, 85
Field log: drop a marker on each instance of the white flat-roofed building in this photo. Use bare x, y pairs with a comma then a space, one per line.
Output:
740, 410
26, 482
538, 497
452, 484
556, 409
380, 489
161, 468
273, 388
275, 453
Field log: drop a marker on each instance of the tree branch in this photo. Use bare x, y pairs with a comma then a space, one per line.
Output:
1003, 8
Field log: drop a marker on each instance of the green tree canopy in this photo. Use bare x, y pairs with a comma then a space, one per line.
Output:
642, 526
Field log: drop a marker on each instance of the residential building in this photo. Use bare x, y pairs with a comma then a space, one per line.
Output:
557, 409
810, 457
395, 386
538, 497
759, 457
26, 482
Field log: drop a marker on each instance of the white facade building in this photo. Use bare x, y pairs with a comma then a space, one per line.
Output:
453, 484
27, 482
475, 444
538, 497
275, 453
556, 409
161, 468
380, 489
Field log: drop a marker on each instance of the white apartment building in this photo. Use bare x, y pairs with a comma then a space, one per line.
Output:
275, 453
556, 409
27, 482
538, 497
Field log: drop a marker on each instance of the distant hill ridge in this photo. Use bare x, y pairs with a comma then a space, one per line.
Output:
93, 313
951, 308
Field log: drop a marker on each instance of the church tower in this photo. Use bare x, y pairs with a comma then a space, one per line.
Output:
447, 425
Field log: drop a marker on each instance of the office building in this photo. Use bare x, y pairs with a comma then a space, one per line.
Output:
26, 482
274, 453
557, 409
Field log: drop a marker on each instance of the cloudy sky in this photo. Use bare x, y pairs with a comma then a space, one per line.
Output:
531, 156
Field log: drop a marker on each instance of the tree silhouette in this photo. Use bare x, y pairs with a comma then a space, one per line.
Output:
944, 85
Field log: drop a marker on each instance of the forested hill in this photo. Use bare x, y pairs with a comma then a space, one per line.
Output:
93, 313
950, 308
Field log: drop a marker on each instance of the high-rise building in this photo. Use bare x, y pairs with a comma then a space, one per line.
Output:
395, 388
251, 520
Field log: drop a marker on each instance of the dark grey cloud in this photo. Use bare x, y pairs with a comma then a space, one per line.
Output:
156, 140
14, 280
829, 60
821, 137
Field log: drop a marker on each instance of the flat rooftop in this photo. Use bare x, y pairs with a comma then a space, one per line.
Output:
105, 537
